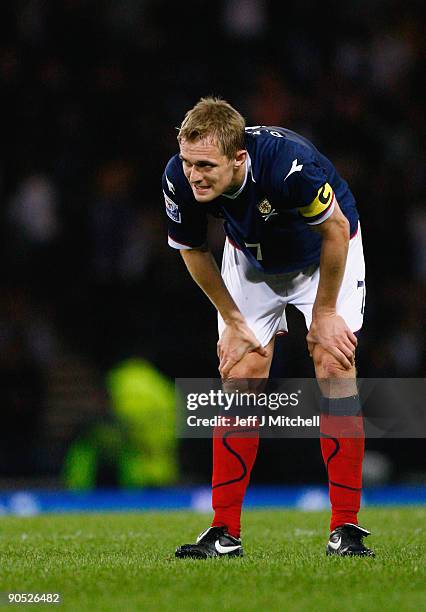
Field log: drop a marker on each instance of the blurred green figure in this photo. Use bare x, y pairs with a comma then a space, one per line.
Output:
139, 443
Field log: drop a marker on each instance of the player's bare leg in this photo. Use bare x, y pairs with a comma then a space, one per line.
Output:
342, 446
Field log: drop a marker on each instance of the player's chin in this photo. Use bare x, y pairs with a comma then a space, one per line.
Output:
203, 194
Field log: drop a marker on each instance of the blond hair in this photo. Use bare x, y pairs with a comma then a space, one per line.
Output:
214, 118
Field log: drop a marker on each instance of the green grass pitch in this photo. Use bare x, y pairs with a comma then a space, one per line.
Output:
125, 562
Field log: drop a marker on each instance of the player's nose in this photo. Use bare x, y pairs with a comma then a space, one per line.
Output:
195, 175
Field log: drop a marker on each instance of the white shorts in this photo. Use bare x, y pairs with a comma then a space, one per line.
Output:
262, 298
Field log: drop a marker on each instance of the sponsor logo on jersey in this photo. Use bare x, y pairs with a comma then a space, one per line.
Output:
295, 167
172, 209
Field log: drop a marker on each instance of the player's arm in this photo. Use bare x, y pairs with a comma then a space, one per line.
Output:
308, 184
328, 328
237, 338
203, 268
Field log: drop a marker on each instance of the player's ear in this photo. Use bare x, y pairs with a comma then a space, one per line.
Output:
240, 158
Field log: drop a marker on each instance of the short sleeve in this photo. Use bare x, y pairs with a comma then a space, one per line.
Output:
321, 207
186, 219
305, 187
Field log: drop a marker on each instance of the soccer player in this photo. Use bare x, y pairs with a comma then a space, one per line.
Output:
292, 237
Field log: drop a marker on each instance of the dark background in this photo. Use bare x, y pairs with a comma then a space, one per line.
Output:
91, 95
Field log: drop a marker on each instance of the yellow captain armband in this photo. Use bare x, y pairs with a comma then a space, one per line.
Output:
321, 207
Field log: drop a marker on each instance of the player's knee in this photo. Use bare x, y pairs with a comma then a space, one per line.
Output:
247, 375
327, 366
252, 367
243, 383
331, 368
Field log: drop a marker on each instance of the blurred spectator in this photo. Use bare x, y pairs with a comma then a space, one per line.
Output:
136, 446
113, 223
34, 229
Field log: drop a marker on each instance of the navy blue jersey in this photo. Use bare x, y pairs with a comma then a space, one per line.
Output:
288, 188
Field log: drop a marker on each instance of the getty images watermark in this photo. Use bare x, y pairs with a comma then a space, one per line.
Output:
238, 399
390, 408
231, 400
206, 405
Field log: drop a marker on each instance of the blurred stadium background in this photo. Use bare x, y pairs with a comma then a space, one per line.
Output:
97, 314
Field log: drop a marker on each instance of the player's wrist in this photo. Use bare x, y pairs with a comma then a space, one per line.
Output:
323, 311
234, 319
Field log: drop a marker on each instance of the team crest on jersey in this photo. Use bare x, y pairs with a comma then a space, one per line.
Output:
265, 208
172, 209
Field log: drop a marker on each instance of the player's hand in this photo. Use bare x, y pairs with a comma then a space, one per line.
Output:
235, 342
332, 333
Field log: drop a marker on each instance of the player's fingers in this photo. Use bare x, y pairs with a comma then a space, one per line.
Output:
350, 353
348, 342
222, 363
351, 349
352, 338
311, 346
226, 364
347, 349
350, 357
226, 368
341, 357
310, 338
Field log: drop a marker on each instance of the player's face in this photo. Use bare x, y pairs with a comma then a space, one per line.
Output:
209, 172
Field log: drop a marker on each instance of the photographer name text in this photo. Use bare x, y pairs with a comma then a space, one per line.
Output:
253, 421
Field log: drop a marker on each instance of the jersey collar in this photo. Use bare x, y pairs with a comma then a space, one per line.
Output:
232, 196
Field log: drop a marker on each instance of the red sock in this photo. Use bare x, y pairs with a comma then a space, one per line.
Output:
234, 453
343, 460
